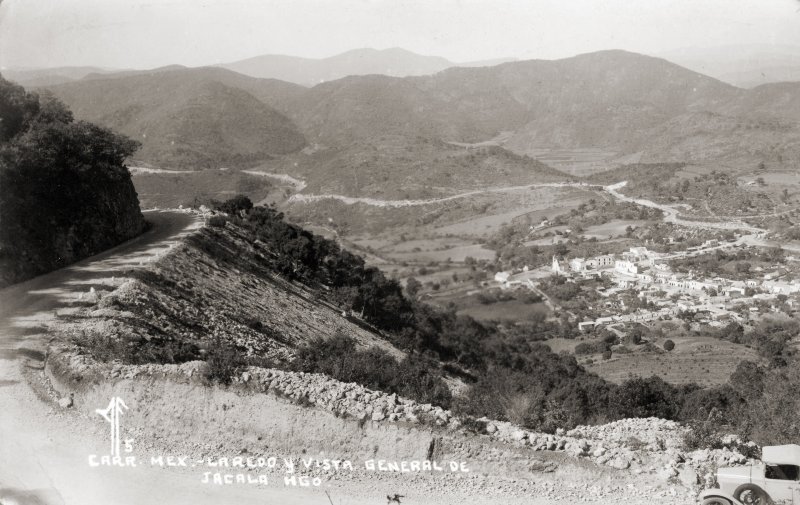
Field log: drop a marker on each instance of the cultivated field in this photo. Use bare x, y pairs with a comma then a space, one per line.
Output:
578, 162
512, 310
704, 360
614, 228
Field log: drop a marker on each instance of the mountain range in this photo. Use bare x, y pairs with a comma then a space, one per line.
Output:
310, 71
744, 66
307, 72
631, 106
199, 118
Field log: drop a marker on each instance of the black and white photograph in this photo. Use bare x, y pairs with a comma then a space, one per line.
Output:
399, 252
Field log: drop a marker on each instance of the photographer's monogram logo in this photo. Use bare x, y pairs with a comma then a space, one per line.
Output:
112, 413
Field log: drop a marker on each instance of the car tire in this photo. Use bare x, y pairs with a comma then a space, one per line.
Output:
750, 494
716, 500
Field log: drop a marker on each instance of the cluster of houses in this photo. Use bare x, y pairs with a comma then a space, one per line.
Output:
648, 271
640, 267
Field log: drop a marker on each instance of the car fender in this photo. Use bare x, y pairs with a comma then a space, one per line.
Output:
718, 493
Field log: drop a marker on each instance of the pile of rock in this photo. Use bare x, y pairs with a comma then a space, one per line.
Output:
346, 399
651, 433
613, 455
650, 445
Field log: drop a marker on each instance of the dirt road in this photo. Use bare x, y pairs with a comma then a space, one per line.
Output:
44, 450
375, 202
672, 214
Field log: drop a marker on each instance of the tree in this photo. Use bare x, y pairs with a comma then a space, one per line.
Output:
669, 345
17, 108
236, 205
413, 286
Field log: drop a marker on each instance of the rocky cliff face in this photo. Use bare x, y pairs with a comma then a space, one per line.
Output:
107, 216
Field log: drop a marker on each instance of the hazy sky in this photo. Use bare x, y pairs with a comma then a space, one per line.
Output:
150, 33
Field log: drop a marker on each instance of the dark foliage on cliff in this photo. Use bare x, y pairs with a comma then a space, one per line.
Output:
415, 377
65, 193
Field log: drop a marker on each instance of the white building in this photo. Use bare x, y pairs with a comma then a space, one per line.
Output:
502, 277
559, 267
606, 260
627, 267
577, 264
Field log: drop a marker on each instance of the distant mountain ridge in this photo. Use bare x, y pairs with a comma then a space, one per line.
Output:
394, 62
198, 118
52, 76
631, 106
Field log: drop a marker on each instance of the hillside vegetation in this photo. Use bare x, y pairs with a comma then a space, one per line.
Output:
417, 168
188, 119
65, 192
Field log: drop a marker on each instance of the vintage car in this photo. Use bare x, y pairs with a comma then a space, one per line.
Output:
773, 480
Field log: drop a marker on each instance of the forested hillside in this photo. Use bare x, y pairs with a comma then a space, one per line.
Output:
65, 192
190, 118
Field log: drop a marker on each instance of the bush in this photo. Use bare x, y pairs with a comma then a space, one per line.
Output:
223, 362
591, 348
669, 345
107, 348
217, 221
607, 355
704, 435
235, 205
416, 377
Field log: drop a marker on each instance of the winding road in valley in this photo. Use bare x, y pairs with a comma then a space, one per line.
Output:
375, 202
671, 213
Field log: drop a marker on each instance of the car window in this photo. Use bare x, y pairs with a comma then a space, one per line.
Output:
782, 472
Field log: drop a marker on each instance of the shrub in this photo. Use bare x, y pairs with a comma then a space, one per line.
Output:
591, 348
108, 348
235, 205
607, 355
652, 397
611, 339
669, 345
217, 221
416, 377
223, 362
704, 435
